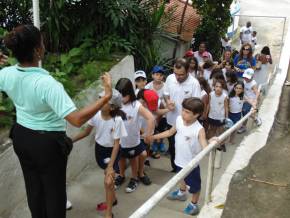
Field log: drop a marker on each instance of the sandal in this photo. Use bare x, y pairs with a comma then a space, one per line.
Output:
155, 155
103, 206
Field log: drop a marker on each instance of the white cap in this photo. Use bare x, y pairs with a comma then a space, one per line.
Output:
116, 99
140, 73
248, 73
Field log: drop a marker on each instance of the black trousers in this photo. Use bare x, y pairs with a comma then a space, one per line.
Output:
171, 149
44, 169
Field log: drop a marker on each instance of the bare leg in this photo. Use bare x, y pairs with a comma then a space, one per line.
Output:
195, 197
122, 166
141, 158
110, 194
134, 167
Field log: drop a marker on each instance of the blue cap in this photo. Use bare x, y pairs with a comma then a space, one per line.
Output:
158, 69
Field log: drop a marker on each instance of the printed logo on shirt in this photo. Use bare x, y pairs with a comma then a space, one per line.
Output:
129, 118
187, 138
112, 130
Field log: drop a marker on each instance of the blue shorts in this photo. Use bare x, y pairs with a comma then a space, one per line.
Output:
235, 117
246, 108
103, 155
132, 152
193, 179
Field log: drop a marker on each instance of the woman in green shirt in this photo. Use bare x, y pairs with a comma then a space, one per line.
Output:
42, 109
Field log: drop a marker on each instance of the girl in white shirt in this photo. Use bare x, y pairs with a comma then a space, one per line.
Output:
217, 110
109, 129
131, 146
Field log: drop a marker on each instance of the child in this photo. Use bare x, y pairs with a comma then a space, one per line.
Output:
231, 79
254, 40
207, 68
205, 91
252, 95
109, 129
158, 86
217, 111
140, 80
236, 101
189, 141
149, 99
131, 146
193, 67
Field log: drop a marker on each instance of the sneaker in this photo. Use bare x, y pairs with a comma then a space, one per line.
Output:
242, 130
132, 185
258, 121
68, 205
103, 206
162, 147
145, 179
119, 181
191, 209
147, 163
175, 196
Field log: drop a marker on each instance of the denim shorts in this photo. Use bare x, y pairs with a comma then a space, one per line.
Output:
193, 179
246, 108
235, 117
103, 156
132, 152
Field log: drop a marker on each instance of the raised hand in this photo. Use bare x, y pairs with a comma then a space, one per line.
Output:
3, 58
107, 83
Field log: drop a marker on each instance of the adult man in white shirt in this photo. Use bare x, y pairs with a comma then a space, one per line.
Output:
178, 86
246, 33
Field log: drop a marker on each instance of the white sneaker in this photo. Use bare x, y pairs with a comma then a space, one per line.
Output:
242, 130
258, 121
68, 205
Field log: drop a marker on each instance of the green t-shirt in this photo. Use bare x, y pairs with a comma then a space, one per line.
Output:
41, 102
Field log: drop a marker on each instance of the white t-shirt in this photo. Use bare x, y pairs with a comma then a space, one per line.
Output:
159, 92
235, 104
249, 93
217, 106
107, 130
132, 125
187, 145
247, 34
177, 92
206, 74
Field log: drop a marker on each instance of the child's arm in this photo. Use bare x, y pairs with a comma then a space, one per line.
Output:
83, 133
256, 91
226, 107
110, 167
208, 106
161, 112
165, 134
202, 138
149, 120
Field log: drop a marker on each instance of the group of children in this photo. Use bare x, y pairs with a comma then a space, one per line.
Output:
125, 127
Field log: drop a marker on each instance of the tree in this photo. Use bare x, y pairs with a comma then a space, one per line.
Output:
215, 19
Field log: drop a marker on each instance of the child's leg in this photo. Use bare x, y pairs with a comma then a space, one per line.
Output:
110, 194
134, 166
195, 197
142, 157
122, 166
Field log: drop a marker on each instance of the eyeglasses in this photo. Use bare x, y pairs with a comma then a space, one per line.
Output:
246, 49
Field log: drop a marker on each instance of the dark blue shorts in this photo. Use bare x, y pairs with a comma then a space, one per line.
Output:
132, 152
246, 108
214, 122
235, 117
103, 155
193, 179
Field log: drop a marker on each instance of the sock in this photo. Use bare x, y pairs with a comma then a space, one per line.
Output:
193, 204
180, 192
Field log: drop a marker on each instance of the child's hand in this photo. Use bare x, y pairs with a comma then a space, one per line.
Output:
213, 139
107, 83
109, 171
148, 139
3, 58
171, 105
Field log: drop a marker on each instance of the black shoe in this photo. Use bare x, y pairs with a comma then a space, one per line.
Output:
119, 180
147, 163
145, 180
173, 171
222, 148
132, 185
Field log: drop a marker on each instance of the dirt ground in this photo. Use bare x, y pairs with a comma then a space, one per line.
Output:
256, 199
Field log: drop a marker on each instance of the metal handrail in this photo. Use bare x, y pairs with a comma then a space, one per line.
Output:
164, 190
